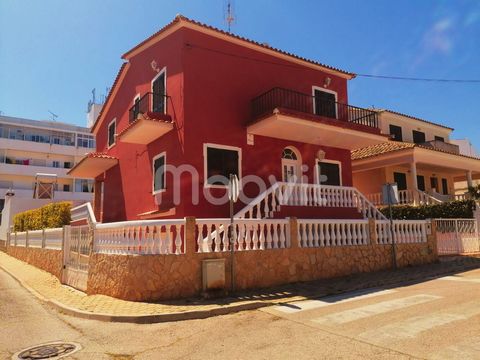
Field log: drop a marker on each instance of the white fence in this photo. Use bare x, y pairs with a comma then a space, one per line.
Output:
404, 231
45, 239
457, 236
141, 237
322, 233
248, 234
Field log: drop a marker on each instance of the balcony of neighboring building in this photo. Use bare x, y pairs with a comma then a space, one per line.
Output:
16, 165
291, 115
148, 120
442, 146
45, 141
79, 190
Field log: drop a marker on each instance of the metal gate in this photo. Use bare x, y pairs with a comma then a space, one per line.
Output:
76, 255
457, 236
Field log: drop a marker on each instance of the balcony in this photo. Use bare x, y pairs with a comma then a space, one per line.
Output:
147, 120
442, 146
291, 115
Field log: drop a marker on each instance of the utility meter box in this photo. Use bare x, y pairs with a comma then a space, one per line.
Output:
213, 274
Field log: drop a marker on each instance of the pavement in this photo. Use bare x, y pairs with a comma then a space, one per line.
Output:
48, 289
432, 319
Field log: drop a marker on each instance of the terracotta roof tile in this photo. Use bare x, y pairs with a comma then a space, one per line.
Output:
180, 18
99, 155
392, 146
380, 149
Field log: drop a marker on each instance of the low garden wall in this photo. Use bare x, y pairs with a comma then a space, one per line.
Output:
45, 259
163, 277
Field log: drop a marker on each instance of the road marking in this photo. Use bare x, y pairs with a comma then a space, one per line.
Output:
298, 306
465, 350
374, 309
458, 278
411, 327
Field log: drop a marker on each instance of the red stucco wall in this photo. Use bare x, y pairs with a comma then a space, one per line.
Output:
211, 83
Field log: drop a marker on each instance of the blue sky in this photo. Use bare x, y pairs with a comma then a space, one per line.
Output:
53, 52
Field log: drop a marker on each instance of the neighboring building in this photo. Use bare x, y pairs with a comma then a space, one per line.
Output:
198, 96
466, 148
31, 147
420, 158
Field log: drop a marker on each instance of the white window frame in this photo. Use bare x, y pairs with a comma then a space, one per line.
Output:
205, 163
114, 121
164, 155
163, 71
320, 88
135, 98
317, 164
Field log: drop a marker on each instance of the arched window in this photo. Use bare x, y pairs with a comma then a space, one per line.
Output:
289, 154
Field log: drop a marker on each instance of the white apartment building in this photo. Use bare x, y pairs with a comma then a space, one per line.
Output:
29, 147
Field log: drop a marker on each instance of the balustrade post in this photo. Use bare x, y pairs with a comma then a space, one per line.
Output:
190, 243
43, 238
372, 228
294, 240
432, 239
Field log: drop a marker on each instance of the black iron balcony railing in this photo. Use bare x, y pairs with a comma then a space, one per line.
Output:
153, 102
293, 100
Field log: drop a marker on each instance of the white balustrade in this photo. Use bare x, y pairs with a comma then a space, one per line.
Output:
404, 231
310, 195
53, 238
330, 232
141, 237
48, 238
35, 238
457, 236
248, 234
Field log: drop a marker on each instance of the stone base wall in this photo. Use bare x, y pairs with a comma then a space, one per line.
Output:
164, 277
45, 259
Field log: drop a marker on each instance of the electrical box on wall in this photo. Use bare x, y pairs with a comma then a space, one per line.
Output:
213, 275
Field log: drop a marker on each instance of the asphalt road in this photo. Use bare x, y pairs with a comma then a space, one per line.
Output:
434, 319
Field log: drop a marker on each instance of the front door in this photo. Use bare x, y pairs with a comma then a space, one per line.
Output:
434, 184
290, 171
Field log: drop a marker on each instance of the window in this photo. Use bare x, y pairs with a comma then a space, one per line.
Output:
159, 174
418, 137
83, 185
324, 103
136, 107
421, 182
56, 164
444, 186
221, 161
111, 132
66, 187
434, 183
289, 154
396, 132
440, 138
85, 141
159, 92
329, 173
67, 164
401, 180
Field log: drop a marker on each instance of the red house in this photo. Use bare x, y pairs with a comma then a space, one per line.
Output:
193, 104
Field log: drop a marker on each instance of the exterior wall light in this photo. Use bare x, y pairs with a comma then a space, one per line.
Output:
320, 154
327, 82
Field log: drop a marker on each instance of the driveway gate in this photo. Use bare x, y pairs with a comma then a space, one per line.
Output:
76, 254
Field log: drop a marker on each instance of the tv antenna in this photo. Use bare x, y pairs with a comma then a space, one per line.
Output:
54, 116
229, 15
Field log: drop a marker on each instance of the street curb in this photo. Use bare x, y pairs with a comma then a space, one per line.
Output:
139, 319
203, 314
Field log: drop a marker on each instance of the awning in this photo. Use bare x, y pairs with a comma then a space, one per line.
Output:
92, 165
146, 128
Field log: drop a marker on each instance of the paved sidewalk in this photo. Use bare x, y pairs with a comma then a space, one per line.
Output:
47, 287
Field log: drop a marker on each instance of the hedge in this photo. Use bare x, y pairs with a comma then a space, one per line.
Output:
53, 215
450, 210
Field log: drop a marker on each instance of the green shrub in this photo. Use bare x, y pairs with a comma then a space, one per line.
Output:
449, 210
53, 215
